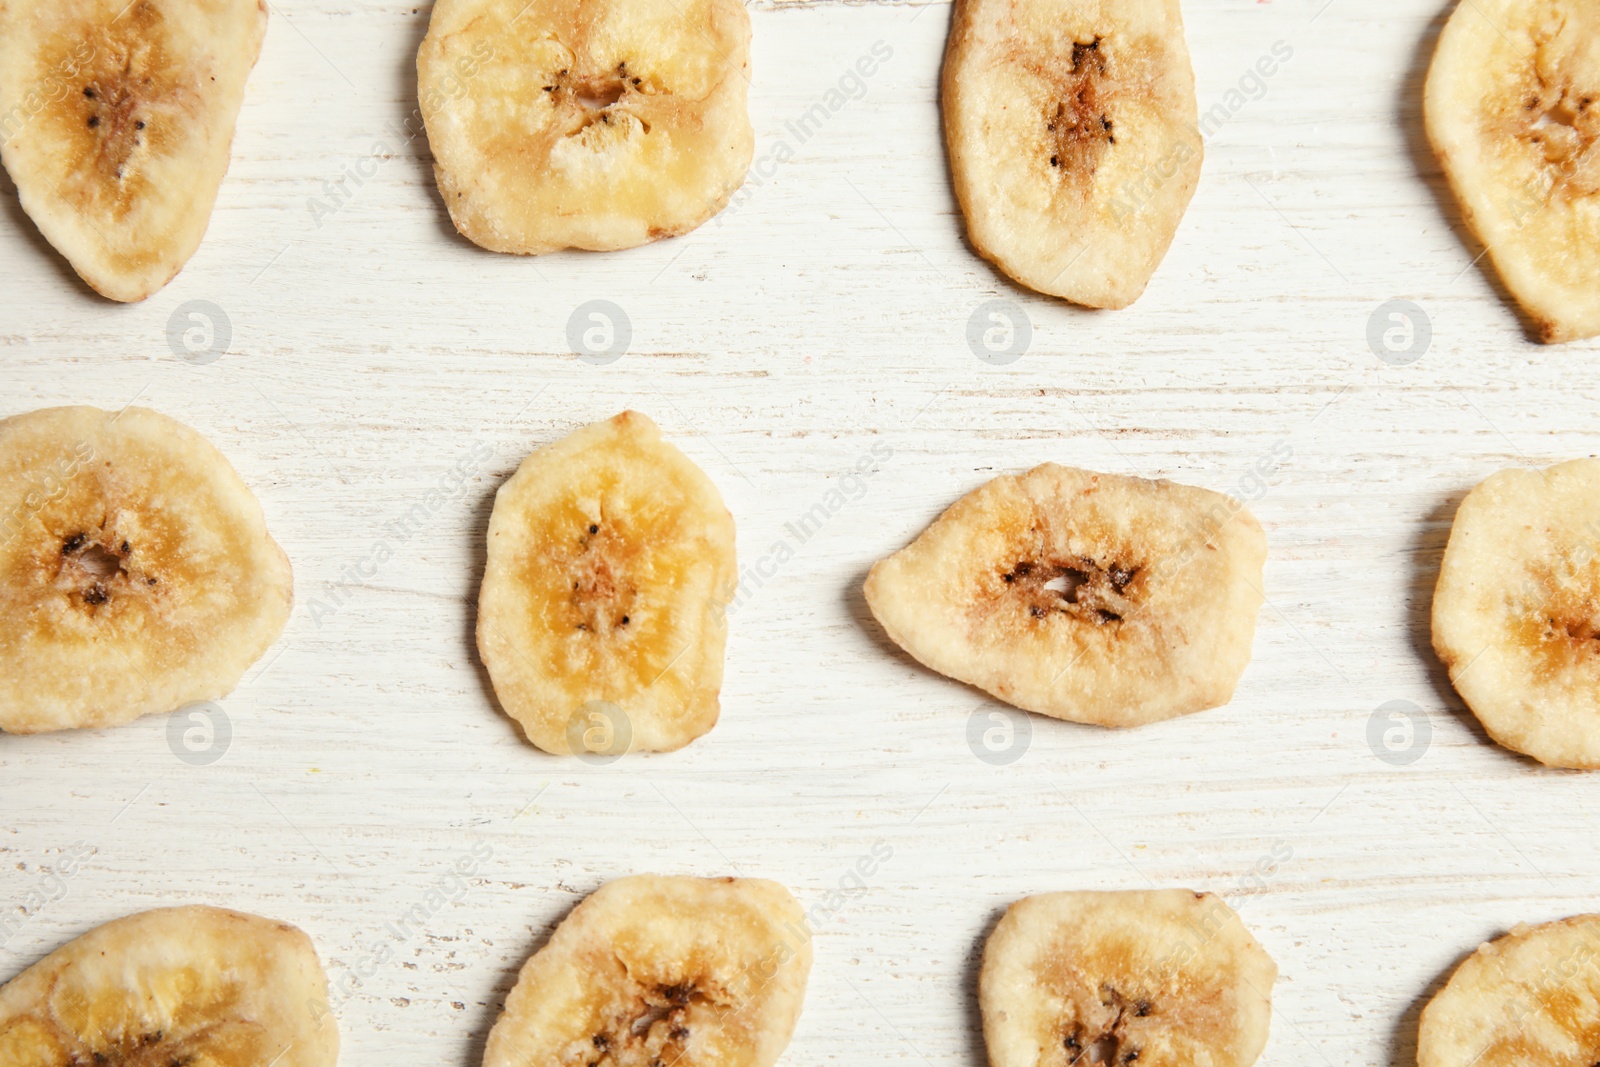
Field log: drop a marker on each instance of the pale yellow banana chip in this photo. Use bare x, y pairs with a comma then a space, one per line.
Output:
1097, 598
1165, 978
1073, 139
602, 613
597, 124
116, 123
191, 986
136, 571
1516, 612
1528, 999
1512, 106
650, 970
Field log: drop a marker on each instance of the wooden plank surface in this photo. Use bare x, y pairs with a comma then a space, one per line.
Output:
372, 352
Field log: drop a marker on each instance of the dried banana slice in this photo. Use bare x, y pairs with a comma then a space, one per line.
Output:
597, 124
136, 571
697, 972
1166, 978
116, 122
1073, 139
195, 986
1516, 612
1512, 106
601, 616
1091, 597
1528, 999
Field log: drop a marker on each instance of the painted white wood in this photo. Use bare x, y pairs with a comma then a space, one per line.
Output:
822, 317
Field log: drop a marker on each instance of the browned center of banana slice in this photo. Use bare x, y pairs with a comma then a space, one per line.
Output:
1557, 115
583, 94
103, 568
92, 573
1068, 572
1082, 588
1082, 130
656, 1023
603, 591
103, 1031
1105, 1027
176, 987
1556, 616
128, 90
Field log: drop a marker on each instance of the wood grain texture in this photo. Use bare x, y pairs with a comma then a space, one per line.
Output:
826, 312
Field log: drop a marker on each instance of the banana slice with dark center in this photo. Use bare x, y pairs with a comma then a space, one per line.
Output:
596, 124
1512, 105
650, 970
601, 616
116, 122
1071, 127
1166, 978
1516, 612
1091, 597
136, 570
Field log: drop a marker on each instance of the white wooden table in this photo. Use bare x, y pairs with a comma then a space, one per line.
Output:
372, 349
